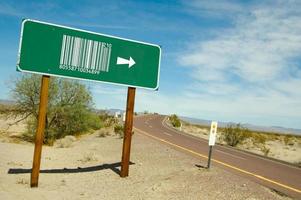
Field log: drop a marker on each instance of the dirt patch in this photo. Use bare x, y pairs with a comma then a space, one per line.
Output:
87, 170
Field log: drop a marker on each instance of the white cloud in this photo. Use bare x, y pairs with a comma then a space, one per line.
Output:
260, 47
26, 9
250, 69
215, 9
97, 88
7, 9
102, 26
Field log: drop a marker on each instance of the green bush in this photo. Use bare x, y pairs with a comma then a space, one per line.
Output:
73, 121
94, 122
69, 110
175, 121
235, 134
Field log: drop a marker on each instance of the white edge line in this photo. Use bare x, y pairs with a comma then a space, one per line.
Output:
119, 84
167, 133
183, 133
229, 154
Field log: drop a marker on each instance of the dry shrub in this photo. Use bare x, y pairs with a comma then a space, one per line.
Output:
235, 134
265, 150
289, 140
88, 158
175, 121
118, 130
103, 132
259, 138
22, 181
65, 142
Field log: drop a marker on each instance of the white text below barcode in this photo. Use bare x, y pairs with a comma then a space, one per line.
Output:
84, 55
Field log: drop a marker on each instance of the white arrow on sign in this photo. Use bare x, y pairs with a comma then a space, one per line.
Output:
122, 61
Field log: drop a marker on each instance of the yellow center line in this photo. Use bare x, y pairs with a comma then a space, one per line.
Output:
220, 162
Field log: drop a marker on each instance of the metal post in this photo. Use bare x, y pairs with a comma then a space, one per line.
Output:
125, 161
40, 132
209, 156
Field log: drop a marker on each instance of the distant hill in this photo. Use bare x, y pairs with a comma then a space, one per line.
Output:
109, 111
113, 111
6, 102
275, 129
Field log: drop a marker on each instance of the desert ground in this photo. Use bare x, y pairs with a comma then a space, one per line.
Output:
277, 148
87, 167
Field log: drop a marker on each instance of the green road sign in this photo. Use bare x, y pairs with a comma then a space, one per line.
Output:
56, 50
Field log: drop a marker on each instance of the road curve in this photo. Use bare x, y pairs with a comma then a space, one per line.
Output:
278, 176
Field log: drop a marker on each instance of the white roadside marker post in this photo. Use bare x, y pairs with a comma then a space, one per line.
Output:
212, 137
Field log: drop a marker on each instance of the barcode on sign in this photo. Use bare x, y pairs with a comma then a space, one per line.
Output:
88, 56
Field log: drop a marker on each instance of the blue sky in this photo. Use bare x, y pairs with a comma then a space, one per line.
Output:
221, 60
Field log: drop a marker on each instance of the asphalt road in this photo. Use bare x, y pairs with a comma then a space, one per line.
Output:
278, 176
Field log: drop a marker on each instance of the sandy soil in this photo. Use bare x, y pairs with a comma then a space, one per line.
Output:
85, 170
277, 148
9, 128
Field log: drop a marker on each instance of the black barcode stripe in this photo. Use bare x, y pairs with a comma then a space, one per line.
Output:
103, 58
94, 55
77, 51
78, 59
108, 59
97, 58
84, 53
88, 53
100, 58
74, 52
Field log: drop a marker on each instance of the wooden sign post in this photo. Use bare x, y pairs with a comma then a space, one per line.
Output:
40, 132
128, 126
